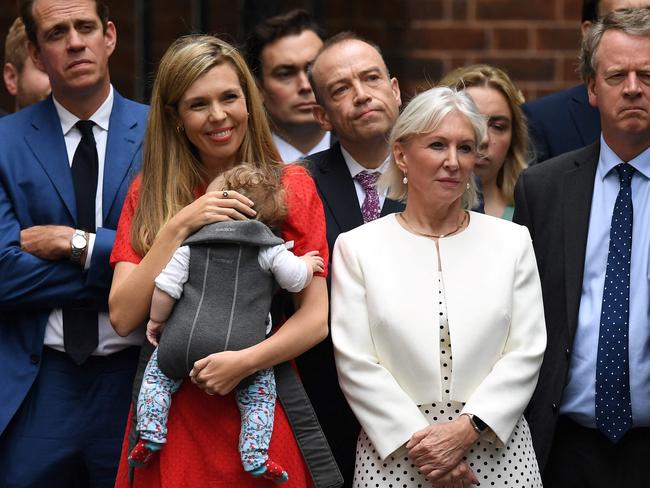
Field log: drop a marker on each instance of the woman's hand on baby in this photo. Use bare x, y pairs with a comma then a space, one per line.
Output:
313, 261
154, 329
214, 207
220, 372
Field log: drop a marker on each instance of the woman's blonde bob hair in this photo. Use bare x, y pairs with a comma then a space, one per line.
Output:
171, 169
483, 75
424, 114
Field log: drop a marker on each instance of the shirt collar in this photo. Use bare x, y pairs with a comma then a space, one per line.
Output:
101, 117
292, 154
324, 143
355, 168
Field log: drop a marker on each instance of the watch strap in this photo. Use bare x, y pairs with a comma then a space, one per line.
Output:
477, 424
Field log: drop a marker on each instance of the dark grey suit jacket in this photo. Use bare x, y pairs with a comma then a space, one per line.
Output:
554, 201
317, 369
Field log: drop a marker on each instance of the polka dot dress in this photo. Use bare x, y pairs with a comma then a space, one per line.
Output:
513, 465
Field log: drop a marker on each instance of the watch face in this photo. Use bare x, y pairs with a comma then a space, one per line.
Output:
78, 242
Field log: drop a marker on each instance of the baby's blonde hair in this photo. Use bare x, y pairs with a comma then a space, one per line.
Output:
261, 185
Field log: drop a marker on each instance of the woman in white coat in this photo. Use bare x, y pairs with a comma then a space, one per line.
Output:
437, 317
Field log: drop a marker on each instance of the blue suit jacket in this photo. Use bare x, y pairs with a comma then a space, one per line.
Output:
36, 189
562, 122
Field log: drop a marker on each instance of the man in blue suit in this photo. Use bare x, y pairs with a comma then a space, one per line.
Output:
564, 121
65, 166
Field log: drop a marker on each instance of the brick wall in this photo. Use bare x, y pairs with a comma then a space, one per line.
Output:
535, 41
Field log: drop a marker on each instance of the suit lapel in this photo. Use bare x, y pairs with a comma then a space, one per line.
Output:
121, 147
391, 206
578, 186
338, 192
45, 139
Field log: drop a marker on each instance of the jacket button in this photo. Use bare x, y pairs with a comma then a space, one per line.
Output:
554, 407
568, 353
34, 359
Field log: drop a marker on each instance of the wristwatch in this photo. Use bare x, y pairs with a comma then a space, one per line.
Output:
478, 425
78, 245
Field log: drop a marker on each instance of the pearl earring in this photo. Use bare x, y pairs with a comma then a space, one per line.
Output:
405, 180
467, 188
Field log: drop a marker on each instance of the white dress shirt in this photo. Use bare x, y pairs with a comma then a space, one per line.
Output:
108, 340
290, 154
355, 168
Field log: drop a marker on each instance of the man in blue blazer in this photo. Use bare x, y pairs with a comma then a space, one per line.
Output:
62, 415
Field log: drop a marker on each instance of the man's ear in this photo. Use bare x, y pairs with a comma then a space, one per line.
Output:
110, 37
10, 74
321, 117
394, 84
584, 27
591, 92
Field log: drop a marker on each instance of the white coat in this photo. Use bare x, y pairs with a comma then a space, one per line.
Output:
385, 324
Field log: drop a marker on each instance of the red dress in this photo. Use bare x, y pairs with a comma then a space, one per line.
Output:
203, 430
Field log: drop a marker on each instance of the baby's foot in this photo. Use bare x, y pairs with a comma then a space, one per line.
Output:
271, 471
143, 452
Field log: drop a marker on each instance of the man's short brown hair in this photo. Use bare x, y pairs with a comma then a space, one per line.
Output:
26, 12
269, 30
631, 21
16, 45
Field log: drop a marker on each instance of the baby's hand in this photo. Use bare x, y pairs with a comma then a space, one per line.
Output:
314, 262
154, 329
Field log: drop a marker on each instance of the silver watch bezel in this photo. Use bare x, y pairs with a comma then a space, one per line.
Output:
78, 244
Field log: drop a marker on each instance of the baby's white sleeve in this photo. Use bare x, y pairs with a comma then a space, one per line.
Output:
288, 269
174, 276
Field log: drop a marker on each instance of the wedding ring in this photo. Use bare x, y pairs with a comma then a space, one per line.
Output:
225, 194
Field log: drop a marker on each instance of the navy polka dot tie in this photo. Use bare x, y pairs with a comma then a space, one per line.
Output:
613, 406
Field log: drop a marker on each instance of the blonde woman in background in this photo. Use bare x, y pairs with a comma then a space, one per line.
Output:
504, 150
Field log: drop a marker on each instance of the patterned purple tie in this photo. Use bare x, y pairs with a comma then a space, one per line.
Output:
370, 208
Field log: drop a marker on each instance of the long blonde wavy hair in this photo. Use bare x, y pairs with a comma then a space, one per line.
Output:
484, 75
171, 168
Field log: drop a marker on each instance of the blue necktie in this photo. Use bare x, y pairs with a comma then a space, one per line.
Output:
613, 405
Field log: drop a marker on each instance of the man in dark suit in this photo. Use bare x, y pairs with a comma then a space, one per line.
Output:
65, 166
359, 101
565, 121
587, 212
279, 51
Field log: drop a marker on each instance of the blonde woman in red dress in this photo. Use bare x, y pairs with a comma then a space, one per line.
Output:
206, 116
